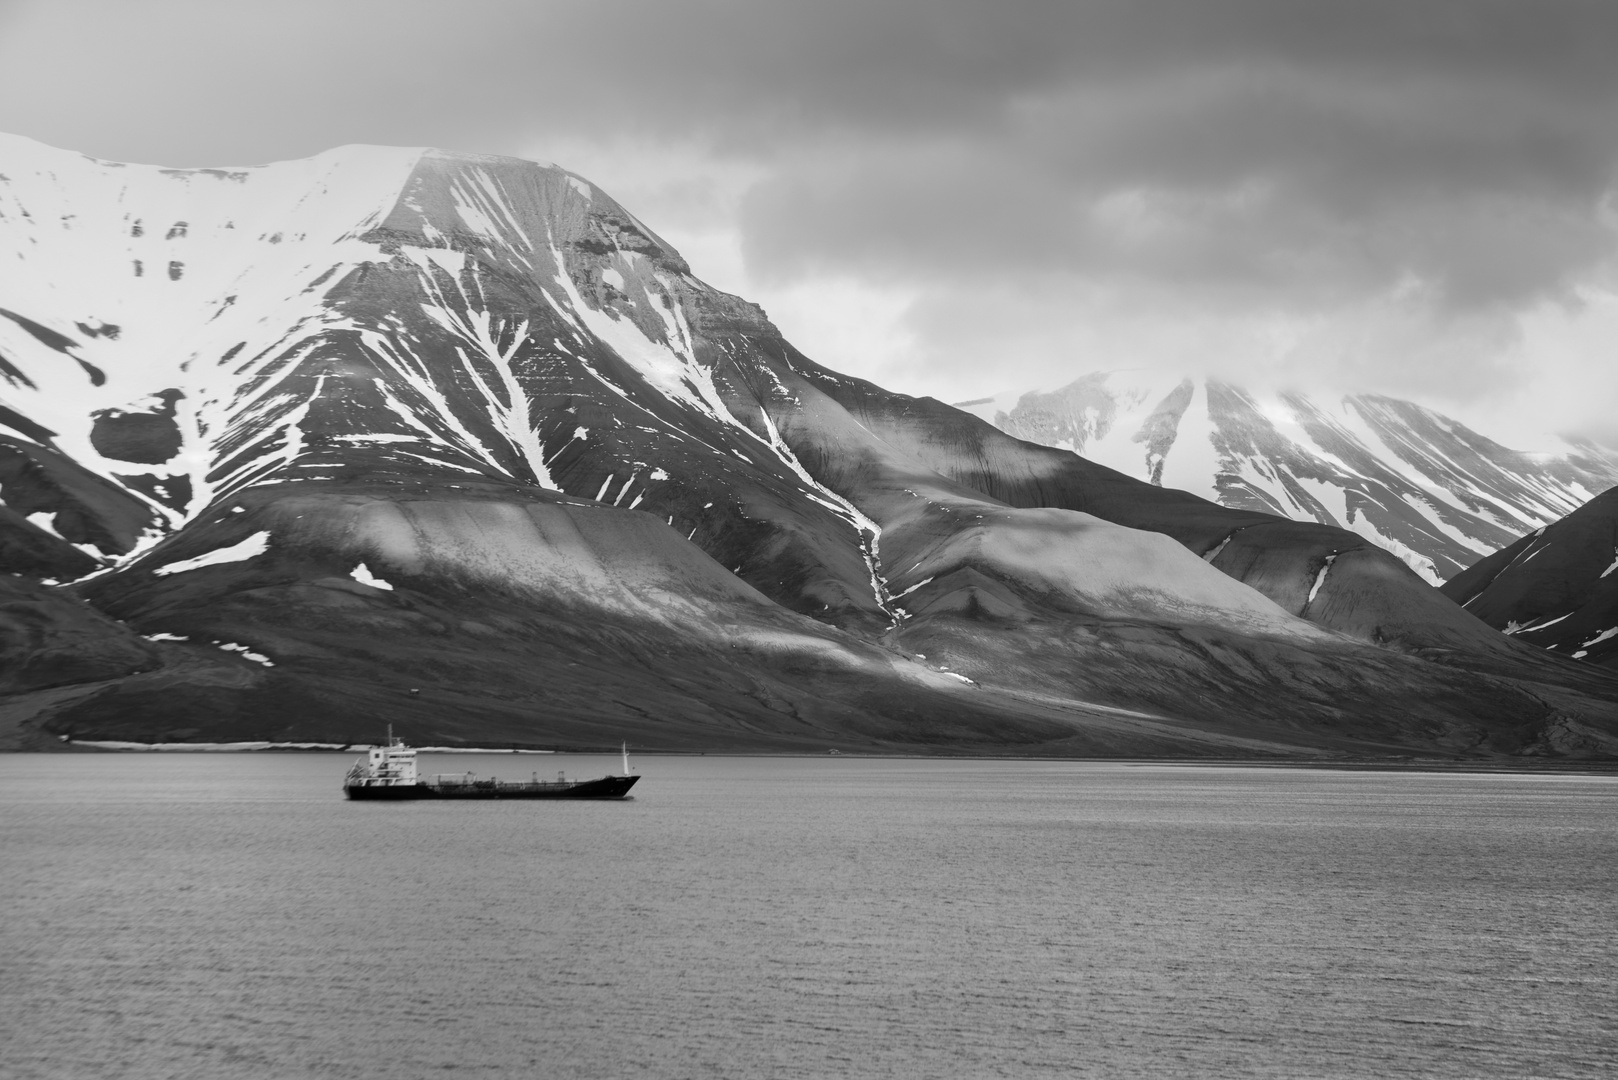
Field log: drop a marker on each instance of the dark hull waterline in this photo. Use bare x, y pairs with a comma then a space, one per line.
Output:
607, 787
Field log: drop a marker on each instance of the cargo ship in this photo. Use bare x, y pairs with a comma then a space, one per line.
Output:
389, 772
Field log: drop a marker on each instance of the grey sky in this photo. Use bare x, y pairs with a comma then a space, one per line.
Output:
962, 198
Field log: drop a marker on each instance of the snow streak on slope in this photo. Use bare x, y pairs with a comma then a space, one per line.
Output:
1417, 483
250, 548
665, 364
869, 531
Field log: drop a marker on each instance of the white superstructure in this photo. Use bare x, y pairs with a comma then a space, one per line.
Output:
391, 765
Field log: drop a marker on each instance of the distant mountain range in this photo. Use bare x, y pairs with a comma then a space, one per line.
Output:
1415, 482
459, 444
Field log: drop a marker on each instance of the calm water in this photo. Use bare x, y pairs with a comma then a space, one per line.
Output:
231, 916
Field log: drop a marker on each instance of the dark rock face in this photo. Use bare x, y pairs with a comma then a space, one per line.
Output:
1557, 587
147, 436
52, 496
49, 639
464, 426
25, 548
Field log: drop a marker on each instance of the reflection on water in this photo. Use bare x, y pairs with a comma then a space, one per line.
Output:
233, 916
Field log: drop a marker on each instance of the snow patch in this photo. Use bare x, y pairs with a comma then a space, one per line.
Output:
624, 490
246, 652
45, 520
1320, 579
251, 548
165, 637
365, 577
1515, 627
1605, 635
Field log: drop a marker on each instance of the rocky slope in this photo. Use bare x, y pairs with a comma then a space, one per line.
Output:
1411, 480
1557, 587
458, 443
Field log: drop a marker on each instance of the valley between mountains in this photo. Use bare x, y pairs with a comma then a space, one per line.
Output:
459, 444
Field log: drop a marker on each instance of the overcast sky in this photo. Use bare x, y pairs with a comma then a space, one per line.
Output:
1414, 197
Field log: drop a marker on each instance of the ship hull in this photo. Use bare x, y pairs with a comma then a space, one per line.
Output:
607, 787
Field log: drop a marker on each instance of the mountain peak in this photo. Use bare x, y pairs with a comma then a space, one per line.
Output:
1417, 483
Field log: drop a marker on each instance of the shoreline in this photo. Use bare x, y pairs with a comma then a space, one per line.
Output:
1524, 766
258, 747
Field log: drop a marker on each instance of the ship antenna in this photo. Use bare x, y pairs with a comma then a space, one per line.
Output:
390, 734
625, 747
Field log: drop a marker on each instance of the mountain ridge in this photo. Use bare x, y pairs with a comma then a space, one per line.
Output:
1415, 482
491, 461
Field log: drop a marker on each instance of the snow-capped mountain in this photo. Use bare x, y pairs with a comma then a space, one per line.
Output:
1417, 483
458, 442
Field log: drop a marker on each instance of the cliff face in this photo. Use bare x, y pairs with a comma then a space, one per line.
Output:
324, 433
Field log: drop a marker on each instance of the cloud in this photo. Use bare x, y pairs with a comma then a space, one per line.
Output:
1347, 186
1283, 183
